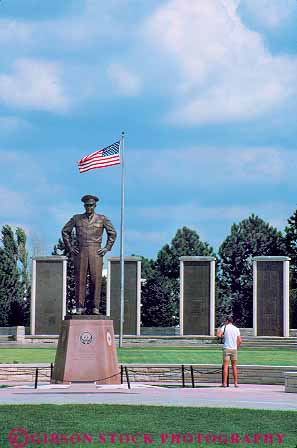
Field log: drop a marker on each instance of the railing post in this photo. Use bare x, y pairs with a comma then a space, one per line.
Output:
192, 377
36, 378
183, 375
127, 376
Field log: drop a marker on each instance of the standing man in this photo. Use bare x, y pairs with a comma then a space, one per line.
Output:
232, 341
88, 254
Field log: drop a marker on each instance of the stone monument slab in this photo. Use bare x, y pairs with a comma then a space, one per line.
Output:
48, 294
197, 295
132, 294
271, 296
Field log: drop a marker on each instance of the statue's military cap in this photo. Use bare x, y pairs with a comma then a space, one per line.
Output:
87, 197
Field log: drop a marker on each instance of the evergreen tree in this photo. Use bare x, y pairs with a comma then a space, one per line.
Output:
102, 306
291, 244
9, 243
148, 266
23, 256
186, 242
293, 308
251, 237
23, 259
160, 293
12, 286
159, 302
59, 249
9, 278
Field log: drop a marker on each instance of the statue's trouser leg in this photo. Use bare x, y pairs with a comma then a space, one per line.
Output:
81, 269
95, 265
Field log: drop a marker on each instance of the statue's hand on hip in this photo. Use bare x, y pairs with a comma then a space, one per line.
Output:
74, 251
102, 251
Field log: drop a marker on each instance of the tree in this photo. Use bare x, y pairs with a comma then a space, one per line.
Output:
291, 244
186, 242
23, 256
251, 237
160, 292
148, 267
293, 308
159, 304
14, 282
59, 249
23, 259
9, 284
9, 244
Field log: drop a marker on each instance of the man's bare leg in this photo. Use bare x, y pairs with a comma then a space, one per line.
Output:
234, 370
225, 372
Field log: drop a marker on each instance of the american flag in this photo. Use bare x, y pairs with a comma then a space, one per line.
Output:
100, 159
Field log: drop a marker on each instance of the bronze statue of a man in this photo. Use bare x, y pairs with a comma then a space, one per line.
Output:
88, 254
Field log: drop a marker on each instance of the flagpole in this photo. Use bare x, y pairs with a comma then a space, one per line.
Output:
122, 245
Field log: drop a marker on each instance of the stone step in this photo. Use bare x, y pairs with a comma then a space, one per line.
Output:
6, 338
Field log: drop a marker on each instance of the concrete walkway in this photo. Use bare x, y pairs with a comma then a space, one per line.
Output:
246, 396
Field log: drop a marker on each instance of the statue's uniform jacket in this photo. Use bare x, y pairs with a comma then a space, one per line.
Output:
89, 239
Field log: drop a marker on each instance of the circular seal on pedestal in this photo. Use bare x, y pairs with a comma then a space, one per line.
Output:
86, 338
108, 338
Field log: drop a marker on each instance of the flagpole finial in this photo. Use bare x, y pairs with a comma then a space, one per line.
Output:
123, 133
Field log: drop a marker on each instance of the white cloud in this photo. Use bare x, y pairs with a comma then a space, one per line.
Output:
240, 94
90, 23
140, 236
195, 215
13, 204
27, 191
269, 13
256, 164
13, 32
225, 73
197, 54
80, 40
213, 166
30, 173
95, 22
193, 212
34, 84
62, 213
124, 81
12, 123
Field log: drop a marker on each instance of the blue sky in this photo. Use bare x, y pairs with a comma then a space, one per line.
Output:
204, 90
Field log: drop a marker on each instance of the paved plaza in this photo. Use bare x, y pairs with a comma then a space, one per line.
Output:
246, 396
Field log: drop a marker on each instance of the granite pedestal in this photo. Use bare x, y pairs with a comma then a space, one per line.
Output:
86, 351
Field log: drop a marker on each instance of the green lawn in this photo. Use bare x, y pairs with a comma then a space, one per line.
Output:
159, 355
73, 421
206, 356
